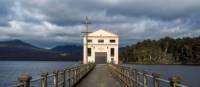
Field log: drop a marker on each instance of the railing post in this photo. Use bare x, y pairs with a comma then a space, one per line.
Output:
69, 77
174, 80
63, 78
76, 79
137, 78
25, 80
129, 77
79, 74
73, 75
44, 79
125, 77
155, 81
145, 78
55, 78
133, 77
122, 70
80, 71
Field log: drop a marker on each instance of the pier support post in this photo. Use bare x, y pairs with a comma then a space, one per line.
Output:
55, 78
174, 80
63, 78
25, 80
44, 79
155, 81
145, 73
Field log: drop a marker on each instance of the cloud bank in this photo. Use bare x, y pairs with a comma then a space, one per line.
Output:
47, 23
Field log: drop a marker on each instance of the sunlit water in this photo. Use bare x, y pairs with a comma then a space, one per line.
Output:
190, 75
10, 70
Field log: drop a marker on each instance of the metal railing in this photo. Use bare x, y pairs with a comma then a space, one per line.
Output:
130, 77
68, 77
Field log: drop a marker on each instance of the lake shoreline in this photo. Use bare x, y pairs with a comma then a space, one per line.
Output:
44, 60
164, 64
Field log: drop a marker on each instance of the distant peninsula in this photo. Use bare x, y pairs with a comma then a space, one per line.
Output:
167, 50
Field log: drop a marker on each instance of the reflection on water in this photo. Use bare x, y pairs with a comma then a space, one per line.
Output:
10, 70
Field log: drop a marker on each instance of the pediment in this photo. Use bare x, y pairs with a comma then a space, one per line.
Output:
102, 32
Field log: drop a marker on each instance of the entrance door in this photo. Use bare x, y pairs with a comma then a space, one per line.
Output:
100, 57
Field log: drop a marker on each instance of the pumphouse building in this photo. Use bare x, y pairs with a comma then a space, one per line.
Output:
100, 47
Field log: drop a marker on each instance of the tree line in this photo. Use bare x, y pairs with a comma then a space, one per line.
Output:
164, 51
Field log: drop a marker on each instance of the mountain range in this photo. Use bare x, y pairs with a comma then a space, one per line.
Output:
20, 50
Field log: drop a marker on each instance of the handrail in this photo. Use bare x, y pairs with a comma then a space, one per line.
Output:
67, 77
37, 79
16, 85
130, 77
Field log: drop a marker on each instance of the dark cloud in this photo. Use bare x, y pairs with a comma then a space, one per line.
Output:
48, 23
5, 11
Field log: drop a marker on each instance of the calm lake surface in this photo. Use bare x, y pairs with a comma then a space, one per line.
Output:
10, 70
190, 75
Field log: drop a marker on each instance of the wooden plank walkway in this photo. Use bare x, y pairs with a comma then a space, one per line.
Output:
99, 77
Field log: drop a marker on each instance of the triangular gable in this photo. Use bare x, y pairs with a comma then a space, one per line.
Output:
102, 32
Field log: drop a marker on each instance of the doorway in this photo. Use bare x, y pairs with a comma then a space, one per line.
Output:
100, 57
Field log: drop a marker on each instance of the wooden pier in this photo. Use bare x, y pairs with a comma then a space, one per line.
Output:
100, 75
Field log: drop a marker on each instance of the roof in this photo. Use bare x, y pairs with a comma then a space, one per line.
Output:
102, 32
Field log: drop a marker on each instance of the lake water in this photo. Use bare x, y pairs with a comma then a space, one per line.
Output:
10, 70
190, 75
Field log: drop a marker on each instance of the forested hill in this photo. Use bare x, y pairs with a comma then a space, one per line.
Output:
164, 51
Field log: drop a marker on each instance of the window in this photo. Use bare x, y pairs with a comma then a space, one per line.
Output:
112, 53
89, 41
112, 41
100, 41
89, 51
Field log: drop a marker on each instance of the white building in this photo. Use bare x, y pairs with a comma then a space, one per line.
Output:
102, 47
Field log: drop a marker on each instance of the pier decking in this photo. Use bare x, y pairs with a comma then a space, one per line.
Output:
99, 77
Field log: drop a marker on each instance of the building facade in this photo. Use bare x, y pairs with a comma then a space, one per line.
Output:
102, 47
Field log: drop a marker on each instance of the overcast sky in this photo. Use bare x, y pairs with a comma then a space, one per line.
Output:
47, 23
